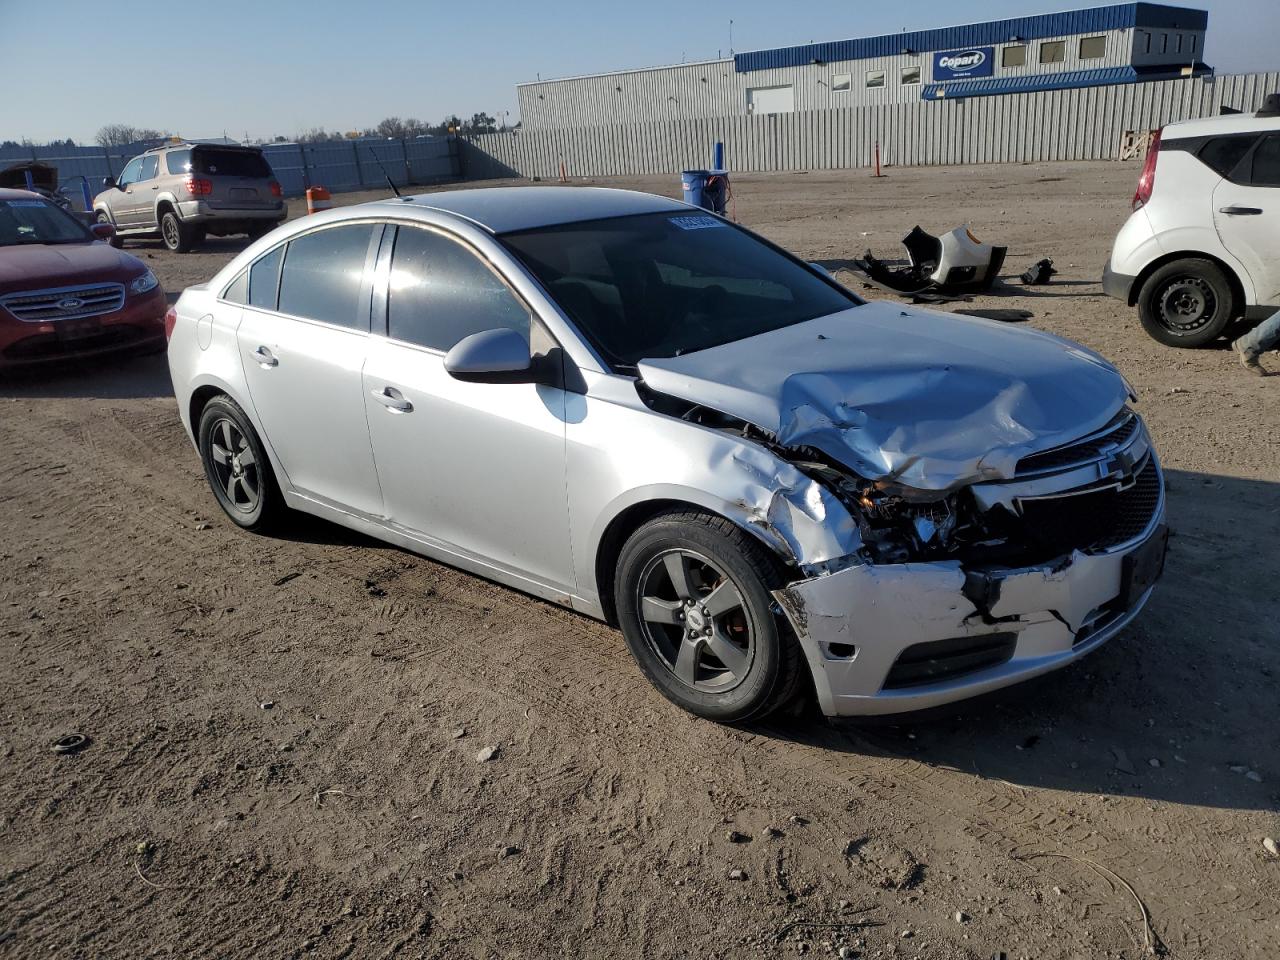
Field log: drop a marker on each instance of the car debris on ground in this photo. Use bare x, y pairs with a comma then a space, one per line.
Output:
955, 263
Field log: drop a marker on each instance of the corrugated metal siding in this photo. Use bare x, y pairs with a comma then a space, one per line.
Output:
1028, 84
1093, 20
1077, 124
340, 165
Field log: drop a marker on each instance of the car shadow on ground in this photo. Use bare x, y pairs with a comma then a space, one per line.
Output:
115, 378
1179, 708
225, 245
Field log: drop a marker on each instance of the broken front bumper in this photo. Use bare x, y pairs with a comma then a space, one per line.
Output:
893, 638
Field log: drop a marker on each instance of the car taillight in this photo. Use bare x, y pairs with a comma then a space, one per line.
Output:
198, 187
170, 321
1147, 181
275, 189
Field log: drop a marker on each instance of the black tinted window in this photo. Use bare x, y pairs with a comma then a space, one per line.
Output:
178, 161
441, 292
663, 284
1223, 153
229, 163
238, 289
323, 273
264, 280
1266, 162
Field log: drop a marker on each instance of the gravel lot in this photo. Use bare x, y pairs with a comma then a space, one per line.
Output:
285, 731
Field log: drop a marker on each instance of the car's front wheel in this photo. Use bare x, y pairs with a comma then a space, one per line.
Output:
116, 240
692, 592
1187, 303
236, 466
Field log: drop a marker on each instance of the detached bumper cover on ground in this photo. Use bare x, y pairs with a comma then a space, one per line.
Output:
892, 638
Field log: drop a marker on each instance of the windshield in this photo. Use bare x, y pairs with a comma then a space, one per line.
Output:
229, 163
665, 284
38, 221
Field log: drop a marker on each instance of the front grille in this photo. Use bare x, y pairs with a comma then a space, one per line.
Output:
65, 303
1113, 436
940, 660
1094, 521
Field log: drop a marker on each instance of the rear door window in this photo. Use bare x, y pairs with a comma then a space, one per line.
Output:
1266, 162
441, 292
264, 280
229, 163
149, 163
324, 273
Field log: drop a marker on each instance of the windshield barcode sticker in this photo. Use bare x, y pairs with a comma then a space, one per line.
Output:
696, 223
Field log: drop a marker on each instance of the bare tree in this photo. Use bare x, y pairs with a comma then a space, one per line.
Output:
123, 134
391, 128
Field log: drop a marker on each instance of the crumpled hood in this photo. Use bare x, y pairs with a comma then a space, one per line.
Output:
930, 401
37, 266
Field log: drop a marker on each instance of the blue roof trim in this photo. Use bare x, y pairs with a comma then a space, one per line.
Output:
1069, 80
1093, 20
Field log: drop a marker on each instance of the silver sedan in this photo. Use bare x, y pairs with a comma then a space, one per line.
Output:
649, 414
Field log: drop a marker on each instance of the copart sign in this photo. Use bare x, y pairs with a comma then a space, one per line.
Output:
964, 64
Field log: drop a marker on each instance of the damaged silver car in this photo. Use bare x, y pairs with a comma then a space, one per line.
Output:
639, 410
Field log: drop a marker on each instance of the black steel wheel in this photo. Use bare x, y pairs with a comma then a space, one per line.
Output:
693, 599
236, 466
1187, 303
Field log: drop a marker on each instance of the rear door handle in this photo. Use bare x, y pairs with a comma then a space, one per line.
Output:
393, 400
1241, 211
265, 357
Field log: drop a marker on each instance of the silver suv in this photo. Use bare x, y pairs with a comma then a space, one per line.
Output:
182, 192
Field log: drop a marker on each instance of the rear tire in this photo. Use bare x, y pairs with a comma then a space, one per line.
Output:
237, 468
178, 236
1187, 303
259, 230
692, 593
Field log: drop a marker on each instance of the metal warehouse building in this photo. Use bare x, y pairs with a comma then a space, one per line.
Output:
1119, 44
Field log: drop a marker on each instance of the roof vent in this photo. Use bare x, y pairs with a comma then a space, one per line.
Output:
1270, 106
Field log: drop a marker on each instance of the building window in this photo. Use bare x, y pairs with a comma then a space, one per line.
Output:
1055, 51
1164, 43
910, 75
1146, 43
841, 81
1093, 48
875, 78
1193, 43
1179, 43
1014, 56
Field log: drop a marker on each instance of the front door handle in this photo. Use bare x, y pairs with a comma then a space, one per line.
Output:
265, 357
1241, 211
393, 400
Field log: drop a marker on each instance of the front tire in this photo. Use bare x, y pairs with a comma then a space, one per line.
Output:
237, 468
116, 240
1187, 303
178, 236
692, 592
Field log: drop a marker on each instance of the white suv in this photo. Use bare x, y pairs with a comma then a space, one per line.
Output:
1202, 247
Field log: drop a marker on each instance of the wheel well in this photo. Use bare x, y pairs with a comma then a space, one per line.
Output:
619, 531
199, 400
1237, 288
163, 207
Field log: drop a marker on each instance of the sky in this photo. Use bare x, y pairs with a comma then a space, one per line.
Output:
263, 68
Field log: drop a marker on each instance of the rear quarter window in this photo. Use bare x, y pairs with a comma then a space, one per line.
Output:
1266, 163
1222, 154
178, 162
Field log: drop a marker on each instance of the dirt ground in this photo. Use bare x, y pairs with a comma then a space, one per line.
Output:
284, 731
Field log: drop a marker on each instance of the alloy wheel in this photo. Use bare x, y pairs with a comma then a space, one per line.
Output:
693, 616
169, 230
234, 466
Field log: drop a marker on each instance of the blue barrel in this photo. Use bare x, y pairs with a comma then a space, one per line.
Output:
708, 189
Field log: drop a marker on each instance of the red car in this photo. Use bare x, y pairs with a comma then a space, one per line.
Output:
64, 293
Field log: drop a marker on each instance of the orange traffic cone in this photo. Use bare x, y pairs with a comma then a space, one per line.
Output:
318, 199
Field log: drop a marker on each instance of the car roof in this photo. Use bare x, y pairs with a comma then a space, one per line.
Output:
506, 209
10, 193
1220, 126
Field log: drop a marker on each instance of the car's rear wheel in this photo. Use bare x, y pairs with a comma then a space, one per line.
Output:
116, 240
236, 466
178, 236
258, 230
692, 593
1187, 303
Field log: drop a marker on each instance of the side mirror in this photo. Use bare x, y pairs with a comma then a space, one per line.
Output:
103, 231
493, 356
109, 184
